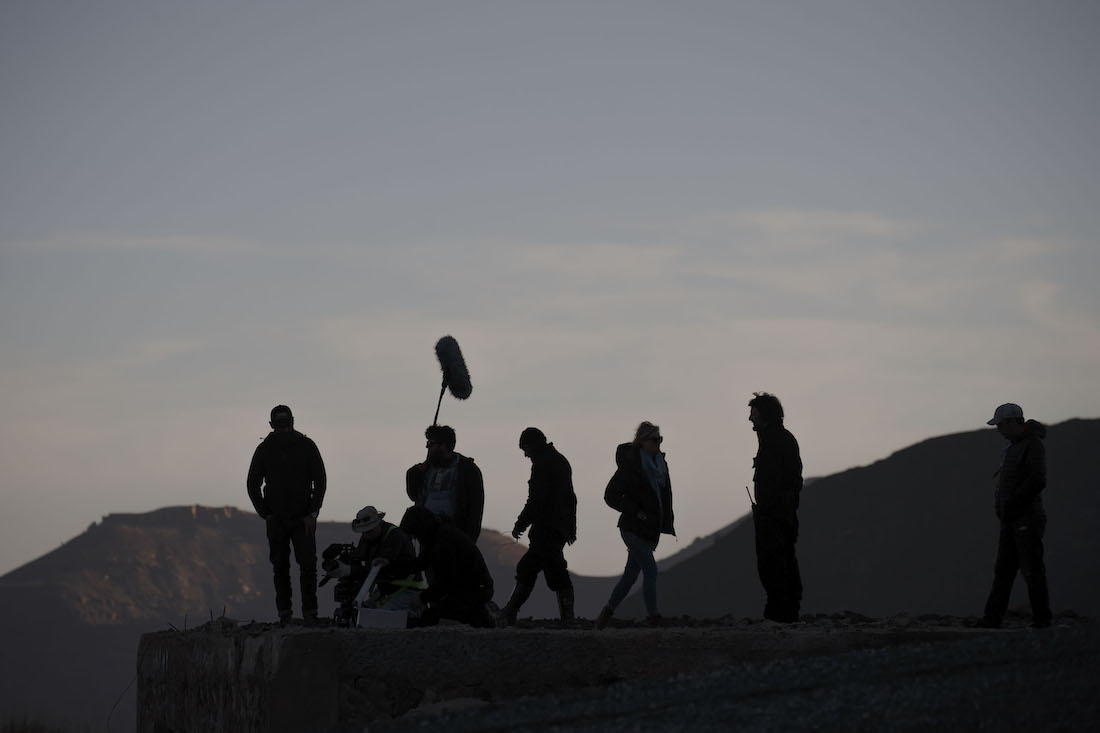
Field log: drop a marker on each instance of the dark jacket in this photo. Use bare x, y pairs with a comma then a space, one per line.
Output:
629, 491
292, 474
551, 508
1023, 474
451, 559
469, 493
393, 545
777, 471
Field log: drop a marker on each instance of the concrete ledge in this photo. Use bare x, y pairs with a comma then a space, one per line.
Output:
268, 678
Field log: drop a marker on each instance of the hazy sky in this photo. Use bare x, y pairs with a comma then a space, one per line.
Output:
887, 213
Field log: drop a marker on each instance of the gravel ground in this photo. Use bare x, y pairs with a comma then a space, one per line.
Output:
1011, 680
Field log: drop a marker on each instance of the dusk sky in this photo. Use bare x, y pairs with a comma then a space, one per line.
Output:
886, 213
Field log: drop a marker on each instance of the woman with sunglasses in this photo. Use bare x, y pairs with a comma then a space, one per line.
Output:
642, 492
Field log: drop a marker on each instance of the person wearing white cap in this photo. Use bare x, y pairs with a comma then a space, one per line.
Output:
1020, 480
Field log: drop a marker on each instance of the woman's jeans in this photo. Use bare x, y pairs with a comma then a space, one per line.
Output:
639, 558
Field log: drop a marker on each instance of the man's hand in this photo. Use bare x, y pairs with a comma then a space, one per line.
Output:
311, 524
642, 515
342, 570
517, 531
379, 562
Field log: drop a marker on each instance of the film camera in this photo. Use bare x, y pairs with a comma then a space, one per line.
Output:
346, 587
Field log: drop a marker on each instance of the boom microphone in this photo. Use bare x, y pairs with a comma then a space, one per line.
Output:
455, 375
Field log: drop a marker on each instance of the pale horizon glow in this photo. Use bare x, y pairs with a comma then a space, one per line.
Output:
885, 214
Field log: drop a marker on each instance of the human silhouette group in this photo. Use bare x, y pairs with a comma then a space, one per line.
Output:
447, 577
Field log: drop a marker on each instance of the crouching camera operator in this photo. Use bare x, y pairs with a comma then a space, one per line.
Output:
382, 545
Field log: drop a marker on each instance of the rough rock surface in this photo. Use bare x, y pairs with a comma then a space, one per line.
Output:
261, 677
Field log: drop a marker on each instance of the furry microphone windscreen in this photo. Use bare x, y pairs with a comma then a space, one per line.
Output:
454, 367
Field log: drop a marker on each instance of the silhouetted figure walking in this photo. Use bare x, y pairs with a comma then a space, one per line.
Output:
642, 491
551, 513
459, 584
448, 484
777, 480
286, 483
1018, 505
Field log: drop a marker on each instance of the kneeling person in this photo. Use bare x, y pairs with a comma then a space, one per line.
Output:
459, 585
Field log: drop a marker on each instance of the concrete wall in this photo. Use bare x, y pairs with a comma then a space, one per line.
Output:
267, 678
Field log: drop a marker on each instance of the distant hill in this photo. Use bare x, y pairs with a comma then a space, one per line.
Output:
914, 532
187, 562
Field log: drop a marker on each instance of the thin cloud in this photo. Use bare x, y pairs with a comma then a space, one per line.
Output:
129, 244
794, 229
1015, 250
600, 260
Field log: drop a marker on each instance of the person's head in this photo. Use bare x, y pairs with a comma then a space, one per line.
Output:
648, 437
440, 444
282, 419
1009, 420
765, 409
419, 522
532, 442
368, 522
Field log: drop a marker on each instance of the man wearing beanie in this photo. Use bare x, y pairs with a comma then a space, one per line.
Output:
551, 513
286, 483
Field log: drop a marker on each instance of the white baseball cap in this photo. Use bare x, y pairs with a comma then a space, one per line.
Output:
1005, 411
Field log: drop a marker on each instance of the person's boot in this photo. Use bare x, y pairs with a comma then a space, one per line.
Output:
285, 616
520, 594
604, 618
565, 605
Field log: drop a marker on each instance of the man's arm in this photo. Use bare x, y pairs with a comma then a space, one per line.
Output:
444, 567
535, 496
472, 503
791, 465
319, 478
1035, 472
254, 482
615, 495
414, 484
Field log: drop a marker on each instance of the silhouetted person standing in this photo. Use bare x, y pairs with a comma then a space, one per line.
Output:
642, 491
551, 513
1020, 480
777, 480
286, 483
448, 484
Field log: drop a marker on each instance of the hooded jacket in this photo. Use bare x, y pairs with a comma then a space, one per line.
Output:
629, 492
452, 560
287, 476
469, 494
551, 508
1023, 474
